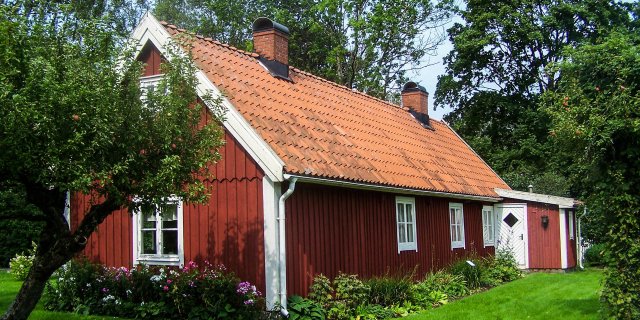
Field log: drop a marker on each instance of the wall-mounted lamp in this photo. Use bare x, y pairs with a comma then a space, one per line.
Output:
545, 221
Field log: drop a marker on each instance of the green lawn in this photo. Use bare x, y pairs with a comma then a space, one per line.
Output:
537, 296
9, 288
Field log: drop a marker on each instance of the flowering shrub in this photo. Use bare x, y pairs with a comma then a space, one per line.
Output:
21, 263
191, 292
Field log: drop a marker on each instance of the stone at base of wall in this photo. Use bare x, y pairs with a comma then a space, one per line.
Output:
549, 270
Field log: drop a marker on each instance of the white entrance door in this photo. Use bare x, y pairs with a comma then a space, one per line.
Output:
511, 231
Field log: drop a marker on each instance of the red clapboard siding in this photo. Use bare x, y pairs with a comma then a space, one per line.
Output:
544, 244
228, 230
333, 229
111, 243
571, 244
152, 59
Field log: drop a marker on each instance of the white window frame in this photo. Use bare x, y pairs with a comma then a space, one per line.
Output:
149, 82
458, 210
407, 225
571, 229
488, 222
158, 259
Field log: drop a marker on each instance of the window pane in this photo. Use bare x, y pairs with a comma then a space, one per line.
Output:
401, 233
458, 216
409, 213
401, 213
170, 242
453, 233
169, 211
148, 242
460, 231
452, 215
148, 218
409, 232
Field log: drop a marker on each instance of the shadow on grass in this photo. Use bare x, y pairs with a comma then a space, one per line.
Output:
583, 306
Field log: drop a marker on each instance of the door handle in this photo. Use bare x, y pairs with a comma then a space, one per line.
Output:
521, 236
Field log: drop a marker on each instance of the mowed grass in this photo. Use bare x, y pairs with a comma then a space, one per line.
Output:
537, 296
9, 288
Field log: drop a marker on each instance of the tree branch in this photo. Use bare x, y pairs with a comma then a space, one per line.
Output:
97, 213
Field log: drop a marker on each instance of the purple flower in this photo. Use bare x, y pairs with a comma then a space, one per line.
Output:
243, 287
105, 290
249, 302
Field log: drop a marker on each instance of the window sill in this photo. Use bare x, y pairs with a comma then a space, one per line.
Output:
457, 246
173, 260
407, 247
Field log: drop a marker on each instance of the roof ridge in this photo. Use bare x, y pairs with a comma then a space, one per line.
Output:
209, 39
255, 55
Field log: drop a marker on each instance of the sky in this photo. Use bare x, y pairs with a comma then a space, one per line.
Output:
428, 77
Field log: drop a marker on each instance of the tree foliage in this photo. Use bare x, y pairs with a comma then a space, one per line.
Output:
596, 118
497, 71
71, 119
369, 45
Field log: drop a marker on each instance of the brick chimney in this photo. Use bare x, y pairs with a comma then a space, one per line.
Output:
416, 98
271, 42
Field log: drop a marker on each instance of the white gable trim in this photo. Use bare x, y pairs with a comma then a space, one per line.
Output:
562, 202
149, 29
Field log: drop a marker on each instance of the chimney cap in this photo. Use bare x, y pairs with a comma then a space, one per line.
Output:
412, 86
262, 24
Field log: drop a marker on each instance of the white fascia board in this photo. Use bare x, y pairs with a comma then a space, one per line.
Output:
396, 190
150, 29
562, 202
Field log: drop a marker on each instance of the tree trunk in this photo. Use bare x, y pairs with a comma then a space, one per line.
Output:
56, 246
33, 286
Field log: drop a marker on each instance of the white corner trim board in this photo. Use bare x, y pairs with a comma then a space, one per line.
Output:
270, 195
563, 239
149, 29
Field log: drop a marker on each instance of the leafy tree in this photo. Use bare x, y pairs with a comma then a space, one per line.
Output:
16, 235
369, 45
71, 119
596, 118
496, 73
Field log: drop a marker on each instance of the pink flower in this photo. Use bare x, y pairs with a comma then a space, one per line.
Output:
169, 281
165, 288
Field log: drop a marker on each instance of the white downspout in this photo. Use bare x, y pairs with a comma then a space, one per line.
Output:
282, 259
579, 238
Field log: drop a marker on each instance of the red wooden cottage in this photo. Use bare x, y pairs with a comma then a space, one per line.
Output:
315, 178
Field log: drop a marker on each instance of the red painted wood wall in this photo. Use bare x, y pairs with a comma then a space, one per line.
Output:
332, 229
228, 230
571, 243
544, 244
151, 58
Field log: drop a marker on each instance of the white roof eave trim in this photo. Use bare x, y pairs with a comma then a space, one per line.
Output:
562, 202
150, 29
396, 190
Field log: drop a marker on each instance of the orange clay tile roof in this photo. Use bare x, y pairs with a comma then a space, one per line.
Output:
321, 129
